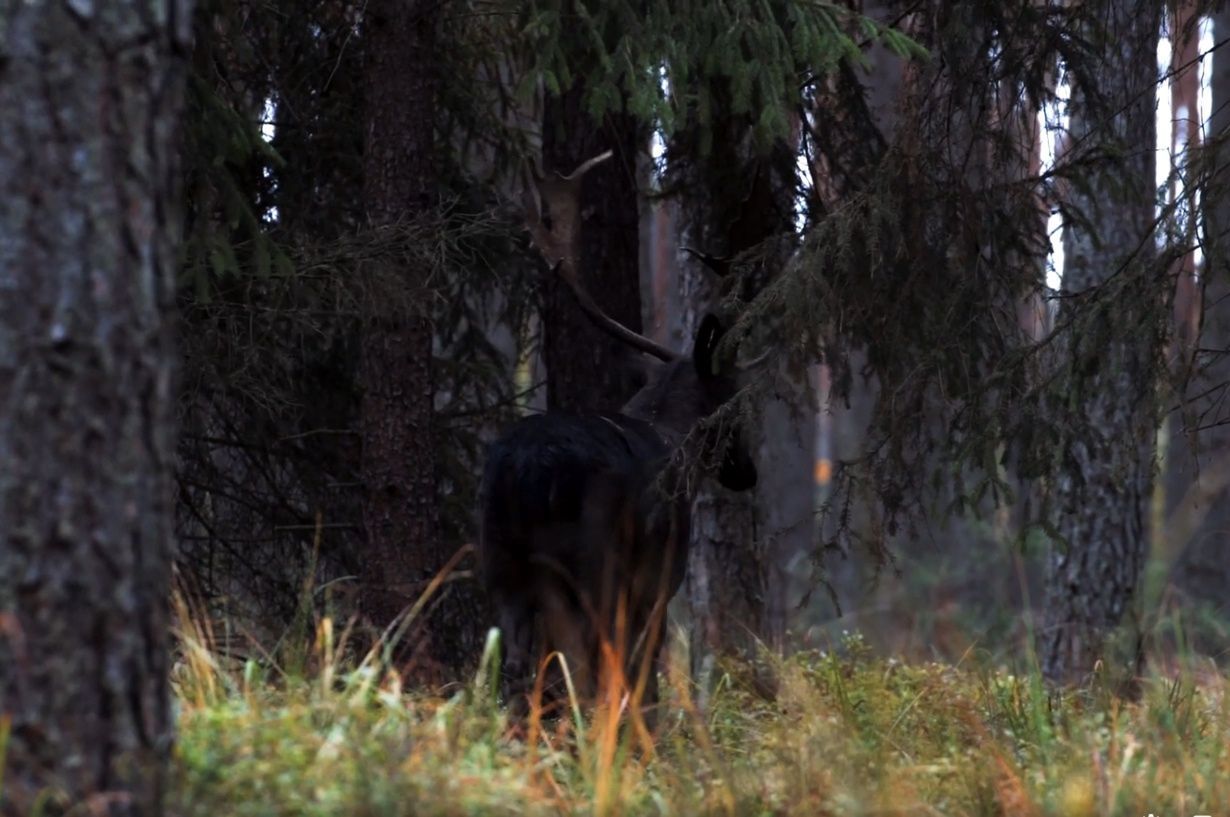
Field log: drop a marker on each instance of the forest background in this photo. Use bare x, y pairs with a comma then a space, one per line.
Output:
269, 292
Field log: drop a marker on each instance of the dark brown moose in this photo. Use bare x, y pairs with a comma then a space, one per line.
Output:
584, 519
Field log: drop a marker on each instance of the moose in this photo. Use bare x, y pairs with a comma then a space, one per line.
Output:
585, 518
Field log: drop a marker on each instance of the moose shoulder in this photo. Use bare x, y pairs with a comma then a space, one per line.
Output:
585, 524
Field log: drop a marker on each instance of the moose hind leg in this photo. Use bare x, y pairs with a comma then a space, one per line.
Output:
516, 622
568, 632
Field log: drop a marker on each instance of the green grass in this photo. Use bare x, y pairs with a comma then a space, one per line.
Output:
847, 733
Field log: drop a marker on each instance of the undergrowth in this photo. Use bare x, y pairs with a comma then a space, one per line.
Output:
841, 732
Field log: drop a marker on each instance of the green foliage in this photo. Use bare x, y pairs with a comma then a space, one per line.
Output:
271, 302
843, 733
925, 248
271, 405
914, 263
276, 275
226, 164
662, 57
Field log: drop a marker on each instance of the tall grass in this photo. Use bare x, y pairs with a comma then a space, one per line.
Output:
845, 733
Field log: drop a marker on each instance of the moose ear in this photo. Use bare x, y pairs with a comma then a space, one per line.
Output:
704, 349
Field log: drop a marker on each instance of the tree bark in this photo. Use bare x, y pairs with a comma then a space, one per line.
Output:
1105, 471
400, 513
587, 369
1199, 462
735, 201
90, 100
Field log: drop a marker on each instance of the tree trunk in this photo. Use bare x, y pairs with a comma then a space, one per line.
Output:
1106, 462
735, 202
1199, 461
90, 100
587, 369
400, 510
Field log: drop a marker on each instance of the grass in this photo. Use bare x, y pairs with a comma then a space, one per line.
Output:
846, 733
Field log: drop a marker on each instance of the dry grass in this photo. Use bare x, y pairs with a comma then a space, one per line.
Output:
846, 733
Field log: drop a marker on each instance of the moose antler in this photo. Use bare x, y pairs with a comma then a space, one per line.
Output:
720, 267
561, 242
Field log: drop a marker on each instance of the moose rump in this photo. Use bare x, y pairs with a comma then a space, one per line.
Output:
584, 541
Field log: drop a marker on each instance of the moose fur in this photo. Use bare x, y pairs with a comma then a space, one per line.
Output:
585, 525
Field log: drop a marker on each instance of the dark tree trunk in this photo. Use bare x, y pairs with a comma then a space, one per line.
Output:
1105, 468
401, 514
90, 101
586, 368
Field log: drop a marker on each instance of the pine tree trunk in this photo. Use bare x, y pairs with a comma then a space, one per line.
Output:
1106, 465
586, 368
90, 101
400, 513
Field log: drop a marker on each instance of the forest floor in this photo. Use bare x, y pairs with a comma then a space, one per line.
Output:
846, 733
